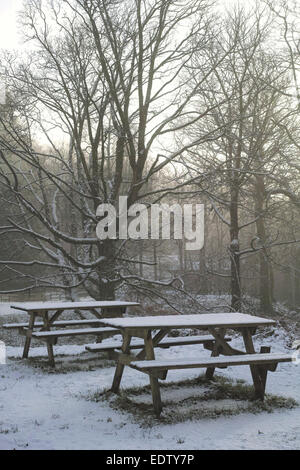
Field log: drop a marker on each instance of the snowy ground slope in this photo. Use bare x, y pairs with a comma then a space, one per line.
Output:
5, 309
41, 410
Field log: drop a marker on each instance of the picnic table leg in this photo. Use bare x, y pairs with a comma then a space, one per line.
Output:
28, 336
55, 316
120, 367
263, 371
107, 313
99, 316
259, 375
215, 352
153, 380
47, 325
157, 338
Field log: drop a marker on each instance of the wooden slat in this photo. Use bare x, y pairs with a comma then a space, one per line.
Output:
250, 359
59, 323
165, 343
75, 332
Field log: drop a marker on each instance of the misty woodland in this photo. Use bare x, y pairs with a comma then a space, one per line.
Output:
159, 102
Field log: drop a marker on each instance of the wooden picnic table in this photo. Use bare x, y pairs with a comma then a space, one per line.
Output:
49, 312
216, 323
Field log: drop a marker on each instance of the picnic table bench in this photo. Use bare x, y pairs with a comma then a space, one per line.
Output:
113, 347
59, 323
55, 309
54, 334
143, 328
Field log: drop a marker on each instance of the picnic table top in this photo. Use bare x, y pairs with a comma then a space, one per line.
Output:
204, 320
35, 306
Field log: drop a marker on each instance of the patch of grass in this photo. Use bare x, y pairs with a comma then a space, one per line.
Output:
205, 400
11, 430
66, 364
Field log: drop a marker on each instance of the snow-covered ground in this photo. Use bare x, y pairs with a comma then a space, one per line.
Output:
45, 410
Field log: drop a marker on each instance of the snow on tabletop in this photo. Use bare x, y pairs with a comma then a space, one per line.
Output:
28, 306
198, 320
234, 360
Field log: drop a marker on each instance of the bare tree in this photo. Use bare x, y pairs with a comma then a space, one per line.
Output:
103, 85
254, 152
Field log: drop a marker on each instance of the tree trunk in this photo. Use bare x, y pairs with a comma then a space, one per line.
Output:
202, 288
155, 260
141, 247
234, 252
105, 289
265, 269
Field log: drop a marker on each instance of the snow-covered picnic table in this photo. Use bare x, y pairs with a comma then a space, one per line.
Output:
217, 324
46, 332
82, 305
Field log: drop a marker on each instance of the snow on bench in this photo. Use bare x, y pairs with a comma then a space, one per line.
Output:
238, 360
165, 343
73, 332
60, 323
